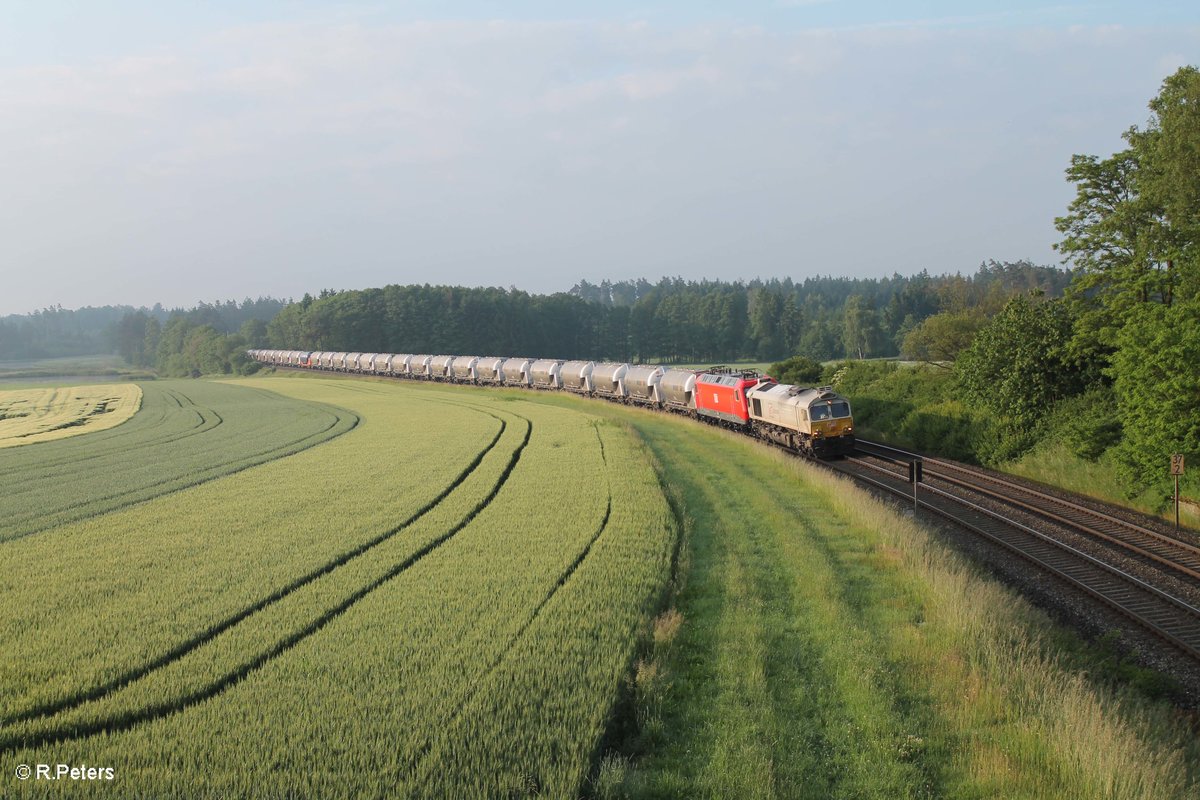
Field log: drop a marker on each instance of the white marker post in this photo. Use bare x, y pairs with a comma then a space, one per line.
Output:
1176, 471
915, 476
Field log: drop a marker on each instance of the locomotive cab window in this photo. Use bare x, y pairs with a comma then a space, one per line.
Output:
820, 412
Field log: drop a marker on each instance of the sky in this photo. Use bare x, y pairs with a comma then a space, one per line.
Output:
174, 153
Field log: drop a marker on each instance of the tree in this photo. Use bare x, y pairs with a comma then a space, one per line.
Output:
798, 370
254, 331
135, 337
942, 337
1157, 384
1133, 229
1019, 364
1109, 237
860, 328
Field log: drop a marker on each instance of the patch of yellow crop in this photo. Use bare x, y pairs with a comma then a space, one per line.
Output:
39, 415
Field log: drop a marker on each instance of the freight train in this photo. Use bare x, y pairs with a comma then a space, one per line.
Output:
811, 420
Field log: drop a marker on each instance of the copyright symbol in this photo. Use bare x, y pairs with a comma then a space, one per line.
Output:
23, 772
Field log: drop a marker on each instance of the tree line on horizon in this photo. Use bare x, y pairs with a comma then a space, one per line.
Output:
671, 321
123, 330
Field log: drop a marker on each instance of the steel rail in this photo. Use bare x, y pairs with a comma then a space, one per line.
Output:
1170, 552
1170, 618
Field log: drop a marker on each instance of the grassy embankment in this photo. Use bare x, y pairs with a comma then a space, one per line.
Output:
821, 645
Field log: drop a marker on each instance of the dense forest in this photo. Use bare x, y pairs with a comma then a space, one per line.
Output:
672, 321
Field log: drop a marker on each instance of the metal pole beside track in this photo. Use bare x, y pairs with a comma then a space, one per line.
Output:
1176, 471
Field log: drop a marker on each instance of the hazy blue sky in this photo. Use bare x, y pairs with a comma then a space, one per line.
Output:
174, 152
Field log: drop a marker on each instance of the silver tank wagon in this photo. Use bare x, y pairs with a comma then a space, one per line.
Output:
488, 370
399, 363
439, 367
544, 373
418, 367
608, 379
677, 389
641, 382
576, 376
515, 371
462, 369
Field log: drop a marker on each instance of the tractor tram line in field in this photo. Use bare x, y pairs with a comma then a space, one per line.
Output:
418, 758
38, 726
183, 649
1129, 568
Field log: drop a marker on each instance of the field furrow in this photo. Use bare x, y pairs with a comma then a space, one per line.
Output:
271, 628
126, 681
432, 639
200, 557
109, 475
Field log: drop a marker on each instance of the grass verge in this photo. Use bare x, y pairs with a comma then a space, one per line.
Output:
823, 645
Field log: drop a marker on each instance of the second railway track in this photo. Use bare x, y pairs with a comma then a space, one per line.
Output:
1156, 608
1170, 552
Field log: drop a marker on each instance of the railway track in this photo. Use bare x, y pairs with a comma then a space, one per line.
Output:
990, 506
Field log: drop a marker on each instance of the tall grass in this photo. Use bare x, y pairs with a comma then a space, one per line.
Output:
1055, 464
1030, 719
830, 647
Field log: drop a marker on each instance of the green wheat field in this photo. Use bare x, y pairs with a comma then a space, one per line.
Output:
301, 586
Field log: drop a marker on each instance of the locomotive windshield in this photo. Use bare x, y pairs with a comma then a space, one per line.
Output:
830, 409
